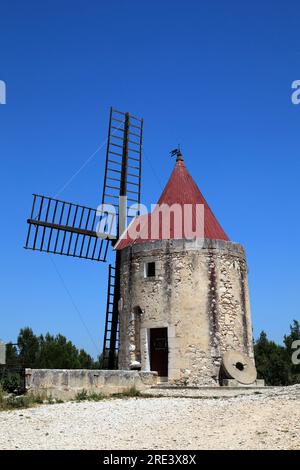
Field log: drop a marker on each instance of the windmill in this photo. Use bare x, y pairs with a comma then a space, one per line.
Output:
64, 228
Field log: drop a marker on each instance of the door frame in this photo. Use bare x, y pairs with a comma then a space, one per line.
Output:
167, 350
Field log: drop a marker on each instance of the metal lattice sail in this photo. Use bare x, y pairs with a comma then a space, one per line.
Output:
65, 228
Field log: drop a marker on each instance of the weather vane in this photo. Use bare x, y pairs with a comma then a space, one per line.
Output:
177, 152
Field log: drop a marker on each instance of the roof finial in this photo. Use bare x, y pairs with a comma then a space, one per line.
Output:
177, 152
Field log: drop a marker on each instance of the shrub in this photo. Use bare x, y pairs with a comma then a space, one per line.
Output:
81, 396
130, 392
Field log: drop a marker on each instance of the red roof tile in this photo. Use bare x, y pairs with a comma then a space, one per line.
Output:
181, 189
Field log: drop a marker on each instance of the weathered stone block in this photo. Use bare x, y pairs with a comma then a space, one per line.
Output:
65, 384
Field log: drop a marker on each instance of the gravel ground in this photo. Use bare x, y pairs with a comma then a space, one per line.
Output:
270, 420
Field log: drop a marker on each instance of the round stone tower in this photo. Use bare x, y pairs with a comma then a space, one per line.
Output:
184, 302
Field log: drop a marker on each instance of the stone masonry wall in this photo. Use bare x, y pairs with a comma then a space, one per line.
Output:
200, 293
66, 383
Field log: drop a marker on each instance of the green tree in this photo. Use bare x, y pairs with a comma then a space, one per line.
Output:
288, 341
293, 336
50, 352
42, 352
57, 353
12, 356
271, 361
28, 344
85, 360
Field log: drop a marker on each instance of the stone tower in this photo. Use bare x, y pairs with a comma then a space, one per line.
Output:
184, 302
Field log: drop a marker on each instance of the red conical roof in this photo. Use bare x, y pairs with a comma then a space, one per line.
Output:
181, 189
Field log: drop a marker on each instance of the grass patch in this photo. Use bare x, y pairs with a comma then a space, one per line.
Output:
13, 402
97, 396
50, 400
130, 393
83, 395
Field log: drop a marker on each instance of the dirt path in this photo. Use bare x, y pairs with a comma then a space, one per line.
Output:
246, 422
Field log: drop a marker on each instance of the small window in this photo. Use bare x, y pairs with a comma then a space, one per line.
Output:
150, 269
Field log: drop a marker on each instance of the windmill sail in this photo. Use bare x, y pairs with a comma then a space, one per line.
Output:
111, 332
123, 166
122, 177
65, 228
78, 231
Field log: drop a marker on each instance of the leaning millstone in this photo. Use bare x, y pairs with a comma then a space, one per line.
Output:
239, 367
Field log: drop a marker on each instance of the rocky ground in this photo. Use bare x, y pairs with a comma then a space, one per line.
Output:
266, 420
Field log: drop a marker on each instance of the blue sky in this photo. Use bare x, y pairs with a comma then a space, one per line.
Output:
215, 76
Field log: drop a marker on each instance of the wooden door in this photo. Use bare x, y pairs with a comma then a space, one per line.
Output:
159, 351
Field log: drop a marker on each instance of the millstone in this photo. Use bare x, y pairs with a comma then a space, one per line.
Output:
238, 366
